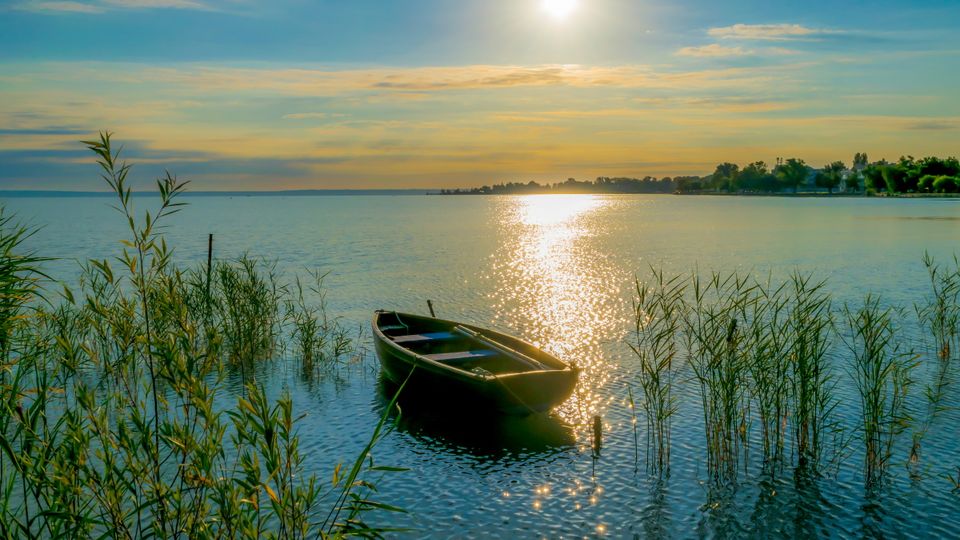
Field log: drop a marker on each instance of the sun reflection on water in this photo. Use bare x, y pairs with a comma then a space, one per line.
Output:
558, 289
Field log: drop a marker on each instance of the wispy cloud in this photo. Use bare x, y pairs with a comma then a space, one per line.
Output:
431, 80
101, 6
713, 50
769, 32
141, 4
305, 116
934, 125
59, 7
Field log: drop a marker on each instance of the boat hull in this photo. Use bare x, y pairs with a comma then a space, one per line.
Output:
513, 393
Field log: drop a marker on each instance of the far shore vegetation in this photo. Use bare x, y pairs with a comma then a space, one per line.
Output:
907, 176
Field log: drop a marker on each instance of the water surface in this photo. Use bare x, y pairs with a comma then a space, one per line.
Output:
559, 270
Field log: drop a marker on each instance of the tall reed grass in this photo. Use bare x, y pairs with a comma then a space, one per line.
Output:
714, 334
112, 417
755, 350
882, 372
658, 312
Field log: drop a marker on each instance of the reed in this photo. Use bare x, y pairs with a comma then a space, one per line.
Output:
715, 341
112, 418
881, 371
320, 340
247, 299
810, 327
939, 314
658, 311
767, 346
939, 317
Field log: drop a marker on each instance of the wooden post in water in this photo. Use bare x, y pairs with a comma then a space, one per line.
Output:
209, 265
430, 305
597, 435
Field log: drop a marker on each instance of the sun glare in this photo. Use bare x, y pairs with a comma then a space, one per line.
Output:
559, 9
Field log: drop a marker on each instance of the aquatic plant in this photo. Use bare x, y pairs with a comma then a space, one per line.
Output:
768, 358
658, 311
714, 344
247, 299
112, 400
881, 371
319, 339
939, 317
809, 329
940, 314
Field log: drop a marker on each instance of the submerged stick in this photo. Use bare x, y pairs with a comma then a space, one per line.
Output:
209, 265
430, 305
597, 435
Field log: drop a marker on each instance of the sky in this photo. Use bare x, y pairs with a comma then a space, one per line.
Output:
358, 94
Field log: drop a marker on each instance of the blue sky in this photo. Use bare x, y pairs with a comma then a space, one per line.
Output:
239, 94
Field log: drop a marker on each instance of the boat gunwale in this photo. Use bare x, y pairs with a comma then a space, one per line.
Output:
378, 334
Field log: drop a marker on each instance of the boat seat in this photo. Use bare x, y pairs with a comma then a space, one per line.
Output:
393, 328
431, 336
461, 356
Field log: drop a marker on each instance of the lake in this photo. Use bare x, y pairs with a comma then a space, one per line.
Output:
559, 271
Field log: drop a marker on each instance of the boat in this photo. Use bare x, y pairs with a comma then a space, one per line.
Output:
470, 367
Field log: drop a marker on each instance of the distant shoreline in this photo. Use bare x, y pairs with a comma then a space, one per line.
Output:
802, 194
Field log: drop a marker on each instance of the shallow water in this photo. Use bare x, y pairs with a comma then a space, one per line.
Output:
559, 271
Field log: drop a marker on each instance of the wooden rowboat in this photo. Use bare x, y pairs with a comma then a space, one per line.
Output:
475, 368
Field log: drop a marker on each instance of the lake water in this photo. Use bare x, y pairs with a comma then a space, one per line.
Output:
559, 271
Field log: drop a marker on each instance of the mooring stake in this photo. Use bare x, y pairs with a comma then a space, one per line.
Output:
430, 305
597, 435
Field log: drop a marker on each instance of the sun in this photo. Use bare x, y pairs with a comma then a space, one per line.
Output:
559, 9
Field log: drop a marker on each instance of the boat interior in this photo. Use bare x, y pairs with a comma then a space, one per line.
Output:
455, 346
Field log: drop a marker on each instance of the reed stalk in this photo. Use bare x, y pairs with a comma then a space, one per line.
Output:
810, 327
658, 312
715, 345
881, 371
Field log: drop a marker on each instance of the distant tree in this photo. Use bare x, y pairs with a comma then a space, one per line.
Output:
756, 177
688, 184
852, 181
937, 167
926, 183
873, 176
792, 172
895, 178
859, 161
725, 176
946, 184
830, 176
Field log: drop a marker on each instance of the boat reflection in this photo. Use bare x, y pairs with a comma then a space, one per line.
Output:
478, 433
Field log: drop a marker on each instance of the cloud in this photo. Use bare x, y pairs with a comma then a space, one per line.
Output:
101, 6
427, 81
769, 32
713, 50
934, 125
44, 131
145, 4
305, 116
59, 7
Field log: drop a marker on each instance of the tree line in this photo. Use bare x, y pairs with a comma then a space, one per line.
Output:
907, 175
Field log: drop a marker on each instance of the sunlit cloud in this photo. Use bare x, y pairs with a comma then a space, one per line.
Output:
426, 80
59, 7
769, 32
306, 116
713, 50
